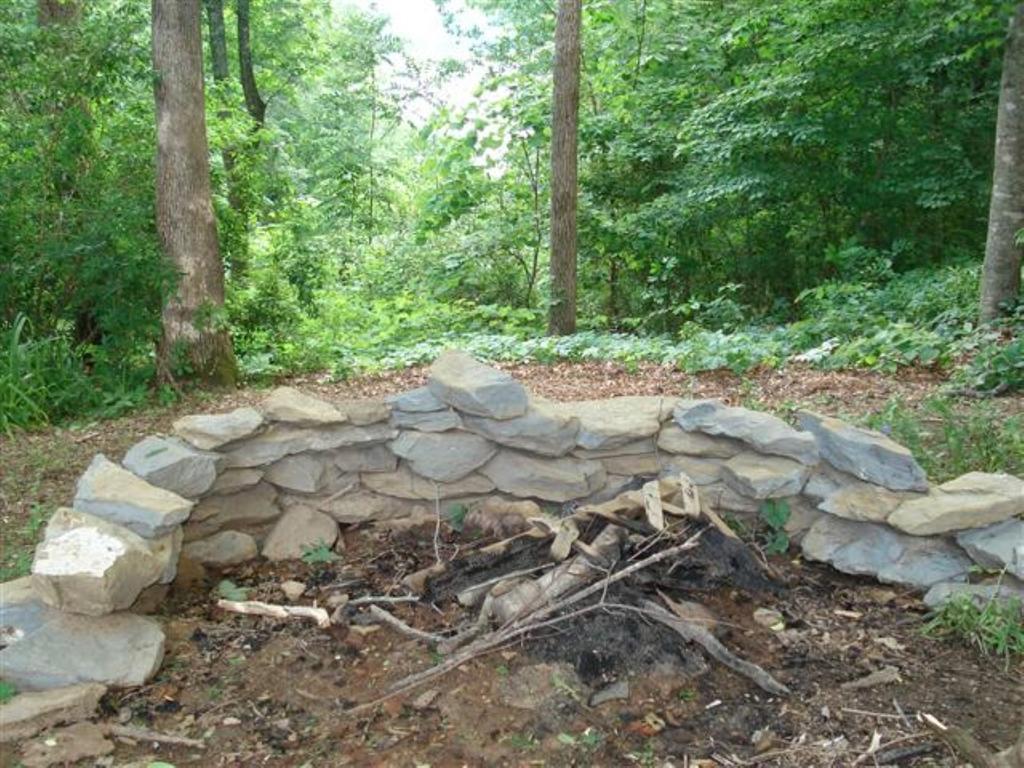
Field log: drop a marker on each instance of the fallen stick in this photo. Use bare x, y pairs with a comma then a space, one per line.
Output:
696, 633
963, 743
255, 608
143, 734
383, 616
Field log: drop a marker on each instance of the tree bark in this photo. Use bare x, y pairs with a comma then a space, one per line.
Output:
564, 183
57, 11
193, 335
253, 102
1000, 279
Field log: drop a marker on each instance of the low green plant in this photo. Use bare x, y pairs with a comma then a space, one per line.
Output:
995, 627
319, 554
775, 513
456, 516
228, 590
7, 691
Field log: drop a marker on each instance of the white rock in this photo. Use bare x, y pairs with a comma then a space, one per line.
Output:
997, 547
675, 439
617, 421
299, 529
282, 440
974, 500
208, 432
474, 388
173, 465
764, 432
542, 429
223, 549
865, 454
293, 590
303, 473
287, 404
115, 494
559, 480
443, 456
406, 484
765, 477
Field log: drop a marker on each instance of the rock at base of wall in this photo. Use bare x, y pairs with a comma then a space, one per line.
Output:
365, 507
558, 480
865, 454
765, 477
107, 490
974, 500
208, 432
403, 483
51, 649
870, 549
997, 547
29, 713
222, 549
474, 388
1006, 591
173, 465
298, 530
764, 432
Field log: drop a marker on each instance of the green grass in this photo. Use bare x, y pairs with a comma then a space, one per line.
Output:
995, 628
7, 691
19, 544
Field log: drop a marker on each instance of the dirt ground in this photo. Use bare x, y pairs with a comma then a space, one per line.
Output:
266, 692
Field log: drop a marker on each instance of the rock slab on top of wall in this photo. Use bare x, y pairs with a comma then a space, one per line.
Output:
471, 387
558, 480
282, 440
289, 405
115, 494
174, 465
865, 454
764, 432
974, 500
617, 421
997, 547
542, 429
49, 649
211, 431
870, 549
420, 400
443, 456
858, 500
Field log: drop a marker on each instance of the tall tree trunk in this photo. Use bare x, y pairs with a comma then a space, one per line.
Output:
1000, 279
192, 329
253, 102
562, 312
57, 11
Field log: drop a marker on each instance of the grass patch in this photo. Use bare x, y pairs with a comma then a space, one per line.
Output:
19, 544
7, 691
995, 628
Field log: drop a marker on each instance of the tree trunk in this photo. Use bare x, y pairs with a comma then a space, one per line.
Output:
253, 102
1000, 279
193, 334
562, 312
57, 11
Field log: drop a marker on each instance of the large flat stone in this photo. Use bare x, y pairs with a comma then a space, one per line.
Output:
222, 549
403, 483
699, 470
974, 500
765, 477
366, 507
542, 429
675, 439
289, 405
443, 456
636, 448
420, 400
49, 649
173, 465
1006, 591
427, 421
302, 473
870, 549
29, 713
211, 431
558, 480
863, 501
371, 458
252, 507
88, 565
764, 432
115, 494
617, 421
299, 529
282, 440
649, 464
471, 387
365, 411
997, 547
235, 480
865, 454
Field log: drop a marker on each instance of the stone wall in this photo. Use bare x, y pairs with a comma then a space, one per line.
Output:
273, 481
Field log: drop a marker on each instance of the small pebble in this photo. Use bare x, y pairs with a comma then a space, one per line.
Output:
293, 590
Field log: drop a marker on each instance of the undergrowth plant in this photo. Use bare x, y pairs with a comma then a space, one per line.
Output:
995, 627
775, 513
319, 555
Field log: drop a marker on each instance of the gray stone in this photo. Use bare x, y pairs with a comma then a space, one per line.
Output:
364, 412
222, 549
365, 507
46, 648
637, 464
29, 713
876, 550
1006, 591
115, 494
371, 458
675, 439
211, 431
635, 448
865, 454
88, 565
173, 465
802, 516
253, 507
997, 547
289, 405
551, 479
420, 400
824, 481
765, 477
443, 456
406, 484
282, 440
722, 498
427, 421
542, 429
617, 421
864, 501
617, 691
299, 529
762, 431
303, 473
235, 480
699, 471
474, 388
974, 500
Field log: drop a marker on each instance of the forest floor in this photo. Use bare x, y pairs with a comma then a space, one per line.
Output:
261, 692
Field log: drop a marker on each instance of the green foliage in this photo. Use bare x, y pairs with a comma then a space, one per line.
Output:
995, 627
775, 513
228, 590
7, 691
319, 554
456, 516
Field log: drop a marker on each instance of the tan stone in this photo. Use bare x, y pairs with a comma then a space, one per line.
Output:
675, 439
974, 500
288, 404
29, 713
405, 484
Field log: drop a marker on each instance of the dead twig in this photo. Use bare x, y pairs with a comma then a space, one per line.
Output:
392, 621
143, 734
255, 608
